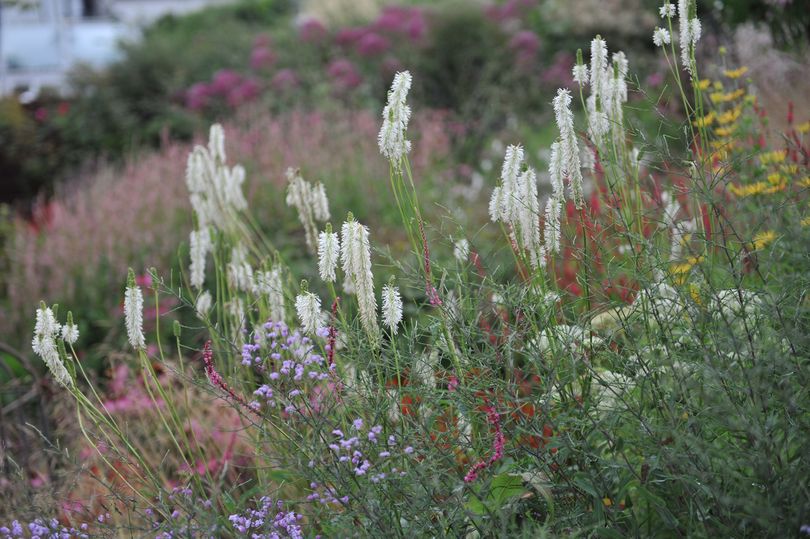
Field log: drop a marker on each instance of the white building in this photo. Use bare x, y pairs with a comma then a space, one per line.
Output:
41, 40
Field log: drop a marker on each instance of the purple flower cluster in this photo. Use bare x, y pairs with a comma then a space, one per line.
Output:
288, 361
364, 453
268, 521
43, 529
179, 523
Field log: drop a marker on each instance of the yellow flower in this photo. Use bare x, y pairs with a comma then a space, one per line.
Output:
684, 267
776, 156
725, 131
717, 85
706, 120
736, 73
804, 182
790, 169
704, 84
762, 239
748, 190
730, 116
803, 128
805, 221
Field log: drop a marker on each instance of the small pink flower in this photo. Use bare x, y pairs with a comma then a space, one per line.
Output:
284, 79
311, 30
262, 58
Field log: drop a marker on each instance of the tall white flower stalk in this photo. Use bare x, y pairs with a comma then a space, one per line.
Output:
568, 147
396, 115
356, 257
391, 307
504, 204
311, 203
133, 313
328, 254
689, 31
46, 332
308, 307
214, 189
199, 246
555, 201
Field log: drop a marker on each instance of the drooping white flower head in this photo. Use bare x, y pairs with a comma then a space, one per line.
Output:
580, 74
269, 284
569, 148
510, 171
355, 254
661, 37
310, 201
203, 304
308, 307
495, 204
396, 114
133, 313
46, 331
328, 254
556, 171
199, 245
391, 307
695, 31
667, 11
461, 250
689, 31
599, 67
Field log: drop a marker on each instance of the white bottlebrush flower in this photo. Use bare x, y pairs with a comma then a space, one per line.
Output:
46, 331
396, 114
133, 314
661, 37
70, 333
510, 172
320, 203
275, 295
328, 254
199, 245
461, 250
308, 307
495, 204
391, 307
599, 67
736, 306
685, 34
215, 190
556, 171
203, 304
528, 218
695, 31
580, 74
240, 274
216, 142
667, 10
568, 145
355, 254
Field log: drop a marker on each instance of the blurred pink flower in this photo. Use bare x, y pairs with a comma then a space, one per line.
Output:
224, 81
197, 96
350, 35
262, 58
344, 74
525, 42
311, 30
408, 21
654, 80
284, 79
244, 92
372, 44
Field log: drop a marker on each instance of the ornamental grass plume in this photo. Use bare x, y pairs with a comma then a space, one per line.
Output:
554, 204
504, 201
240, 273
396, 114
328, 253
46, 331
356, 257
689, 31
70, 331
133, 313
391, 307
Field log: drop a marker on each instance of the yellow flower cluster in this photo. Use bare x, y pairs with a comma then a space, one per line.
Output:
803, 128
705, 120
776, 156
757, 188
736, 73
763, 239
723, 97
